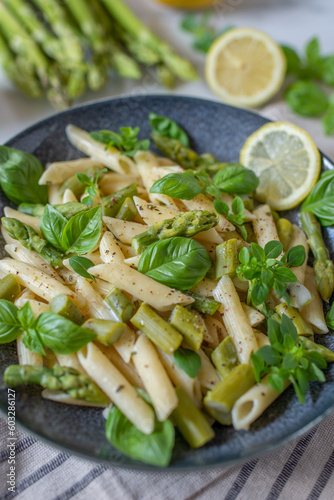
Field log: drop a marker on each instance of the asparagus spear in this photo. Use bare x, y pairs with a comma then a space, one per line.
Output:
185, 224
75, 185
107, 331
22, 76
157, 329
63, 305
128, 210
323, 266
190, 421
227, 259
68, 210
112, 203
28, 237
58, 378
327, 354
25, 47
9, 288
204, 305
120, 304
84, 16
132, 24
302, 327
225, 357
190, 325
285, 232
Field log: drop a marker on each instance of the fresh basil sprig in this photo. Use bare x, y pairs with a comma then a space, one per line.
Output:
126, 140
287, 359
91, 184
80, 266
155, 448
19, 175
161, 125
77, 235
320, 201
236, 179
189, 361
49, 330
204, 34
236, 217
266, 271
306, 98
177, 262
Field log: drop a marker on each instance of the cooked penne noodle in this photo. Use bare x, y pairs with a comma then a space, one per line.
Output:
31, 221
253, 315
140, 286
253, 403
205, 287
264, 225
54, 197
210, 235
201, 202
154, 377
208, 376
94, 306
214, 325
261, 338
70, 360
235, 319
123, 230
228, 199
110, 250
58, 171
20, 253
69, 196
27, 357
180, 378
110, 157
37, 281
299, 238
125, 345
127, 369
313, 312
152, 213
111, 182
117, 388
132, 261
50, 360
8, 239
24, 297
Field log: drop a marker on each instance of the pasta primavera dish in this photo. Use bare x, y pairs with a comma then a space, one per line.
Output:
166, 289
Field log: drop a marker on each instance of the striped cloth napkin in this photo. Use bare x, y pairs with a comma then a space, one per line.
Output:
301, 470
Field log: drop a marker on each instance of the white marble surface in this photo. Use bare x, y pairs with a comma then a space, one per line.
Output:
291, 22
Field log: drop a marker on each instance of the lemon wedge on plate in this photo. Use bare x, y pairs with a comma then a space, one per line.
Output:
245, 67
287, 162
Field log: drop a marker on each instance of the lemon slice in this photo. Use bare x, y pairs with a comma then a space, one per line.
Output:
245, 67
287, 162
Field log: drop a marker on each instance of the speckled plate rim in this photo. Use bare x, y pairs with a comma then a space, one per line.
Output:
179, 468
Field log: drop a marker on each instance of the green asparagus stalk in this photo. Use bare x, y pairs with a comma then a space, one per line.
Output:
190, 421
29, 238
140, 51
34, 209
165, 76
326, 353
9, 288
161, 333
64, 306
224, 357
25, 47
75, 185
132, 24
84, 16
204, 305
190, 325
58, 378
219, 402
285, 232
302, 327
128, 210
19, 72
227, 259
68, 210
120, 304
185, 224
107, 331
112, 203
323, 265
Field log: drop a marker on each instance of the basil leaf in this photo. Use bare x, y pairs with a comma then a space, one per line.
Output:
60, 334
296, 256
288, 328
284, 275
32, 341
328, 120
26, 316
273, 249
293, 62
83, 231
10, 327
19, 176
326, 69
180, 186
269, 355
312, 50
306, 98
80, 266
52, 226
236, 179
126, 140
321, 199
154, 449
259, 293
176, 262
189, 361
221, 207
161, 125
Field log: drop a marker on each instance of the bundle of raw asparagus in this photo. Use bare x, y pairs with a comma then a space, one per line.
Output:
62, 48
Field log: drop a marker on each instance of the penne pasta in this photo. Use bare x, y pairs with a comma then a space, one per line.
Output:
22, 254
124, 231
69, 196
152, 213
253, 315
264, 225
27, 357
62, 397
54, 197
31, 221
117, 387
127, 369
299, 238
110, 250
313, 312
201, 202
58, 171
70, 360
208, 376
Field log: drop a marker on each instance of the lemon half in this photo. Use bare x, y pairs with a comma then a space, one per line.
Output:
287, 162
245, 67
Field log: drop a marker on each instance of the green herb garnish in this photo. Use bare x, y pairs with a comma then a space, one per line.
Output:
126, 140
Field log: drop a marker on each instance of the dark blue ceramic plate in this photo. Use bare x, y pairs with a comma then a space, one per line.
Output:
220, 130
